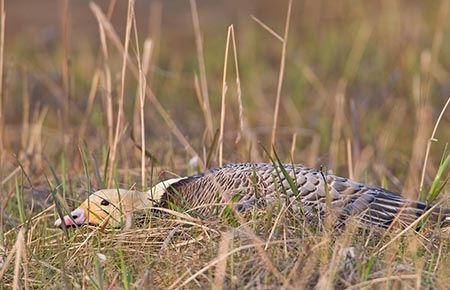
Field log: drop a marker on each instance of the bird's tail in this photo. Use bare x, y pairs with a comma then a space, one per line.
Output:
385, 208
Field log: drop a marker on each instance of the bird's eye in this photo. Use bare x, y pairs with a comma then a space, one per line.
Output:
104, 202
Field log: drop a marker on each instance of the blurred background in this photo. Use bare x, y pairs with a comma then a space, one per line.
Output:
360, 88
363, 86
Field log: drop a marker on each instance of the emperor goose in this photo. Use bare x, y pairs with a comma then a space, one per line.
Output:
249, 185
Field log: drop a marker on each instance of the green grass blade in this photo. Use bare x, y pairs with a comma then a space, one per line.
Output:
20, 204
85, 163
124, 270
105, 172
436, 189
289, 179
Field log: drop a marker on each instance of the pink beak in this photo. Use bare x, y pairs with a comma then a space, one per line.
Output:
76, 217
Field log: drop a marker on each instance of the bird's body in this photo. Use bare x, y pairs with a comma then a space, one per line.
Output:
249, 185
261, 184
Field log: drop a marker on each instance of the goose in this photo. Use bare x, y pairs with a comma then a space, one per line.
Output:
250, 185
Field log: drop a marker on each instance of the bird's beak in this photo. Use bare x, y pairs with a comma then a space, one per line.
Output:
76, 218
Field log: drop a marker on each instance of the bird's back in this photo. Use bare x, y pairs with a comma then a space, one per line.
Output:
259, 184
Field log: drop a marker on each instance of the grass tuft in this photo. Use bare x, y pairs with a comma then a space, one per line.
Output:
125, 94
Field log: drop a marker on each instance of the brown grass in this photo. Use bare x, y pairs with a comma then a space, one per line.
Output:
359, 87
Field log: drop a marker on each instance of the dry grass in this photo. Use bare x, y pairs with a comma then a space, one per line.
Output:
361, 89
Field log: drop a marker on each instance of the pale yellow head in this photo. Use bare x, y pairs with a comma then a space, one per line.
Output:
115, 207
112, 207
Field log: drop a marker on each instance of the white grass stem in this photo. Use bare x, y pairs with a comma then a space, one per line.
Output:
224, 93
2, 50
202, 67
266, 27
110, 32
129, 23
280, 78
430, 141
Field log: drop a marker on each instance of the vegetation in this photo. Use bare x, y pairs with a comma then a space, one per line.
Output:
357, 88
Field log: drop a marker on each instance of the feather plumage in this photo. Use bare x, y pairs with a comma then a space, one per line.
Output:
263, 183
249, 185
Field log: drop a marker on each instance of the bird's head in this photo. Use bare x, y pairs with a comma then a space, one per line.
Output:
115, 207
111, 207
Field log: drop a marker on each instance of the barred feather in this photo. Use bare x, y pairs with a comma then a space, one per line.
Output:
256, 184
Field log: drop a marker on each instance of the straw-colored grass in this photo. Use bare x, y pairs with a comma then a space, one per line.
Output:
360, 89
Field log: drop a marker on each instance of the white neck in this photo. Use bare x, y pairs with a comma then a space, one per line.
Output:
157, 191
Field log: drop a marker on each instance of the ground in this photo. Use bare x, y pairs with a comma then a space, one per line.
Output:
361, 87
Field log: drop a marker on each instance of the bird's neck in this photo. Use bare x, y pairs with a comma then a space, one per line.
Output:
139, 200
156, 192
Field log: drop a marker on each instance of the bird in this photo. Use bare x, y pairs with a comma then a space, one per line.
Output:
308, 191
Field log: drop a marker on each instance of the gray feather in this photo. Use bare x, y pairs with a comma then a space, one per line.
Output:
256, 184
